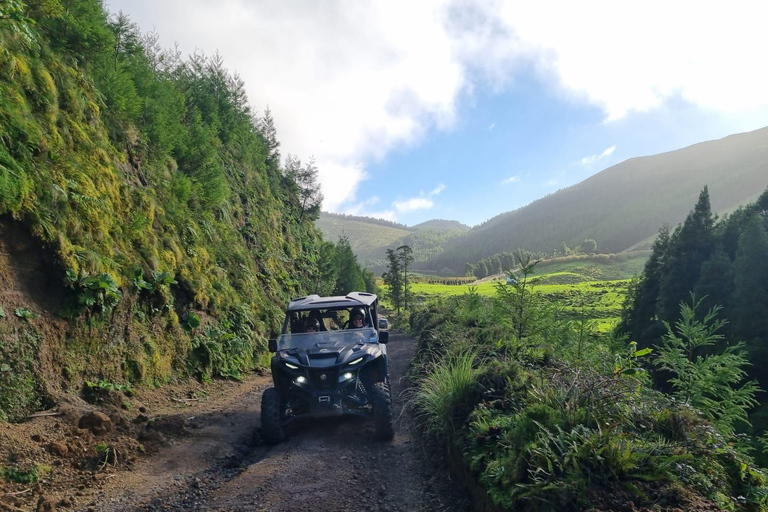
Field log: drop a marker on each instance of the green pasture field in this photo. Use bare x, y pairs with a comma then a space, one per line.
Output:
580, 288
610, 270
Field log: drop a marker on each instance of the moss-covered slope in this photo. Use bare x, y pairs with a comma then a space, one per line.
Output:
153, 192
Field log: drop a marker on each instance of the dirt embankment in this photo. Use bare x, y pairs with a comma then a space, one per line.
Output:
195, 448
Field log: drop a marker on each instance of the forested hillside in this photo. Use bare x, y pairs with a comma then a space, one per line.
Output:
370, 238
442, 225
622, 205
147, 230
366, 236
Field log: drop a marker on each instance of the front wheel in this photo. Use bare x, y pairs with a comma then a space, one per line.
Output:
272, 429
382, 411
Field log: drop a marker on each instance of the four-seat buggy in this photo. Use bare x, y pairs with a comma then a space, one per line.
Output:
328, 362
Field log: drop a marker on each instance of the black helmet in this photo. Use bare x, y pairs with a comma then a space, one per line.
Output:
357, 312
311, 323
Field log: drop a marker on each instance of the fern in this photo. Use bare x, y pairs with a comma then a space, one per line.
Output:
712, 383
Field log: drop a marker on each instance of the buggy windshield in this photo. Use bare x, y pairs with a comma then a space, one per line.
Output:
327, 339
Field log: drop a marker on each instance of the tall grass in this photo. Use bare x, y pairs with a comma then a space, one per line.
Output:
445, 395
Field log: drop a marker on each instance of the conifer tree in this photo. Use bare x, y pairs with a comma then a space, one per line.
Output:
715, 285
269, 132
405, 254
393, 279
712, 383
327, 269
370, 281
350, 276
750, 293
516, 300
309, 191
639, 317
690, 246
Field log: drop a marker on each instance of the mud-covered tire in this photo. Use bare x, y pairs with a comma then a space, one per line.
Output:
272, 429
382, 411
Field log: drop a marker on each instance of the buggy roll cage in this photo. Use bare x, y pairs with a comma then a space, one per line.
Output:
367, 301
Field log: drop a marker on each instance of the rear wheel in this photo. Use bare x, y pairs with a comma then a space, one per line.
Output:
382, 411
272, 429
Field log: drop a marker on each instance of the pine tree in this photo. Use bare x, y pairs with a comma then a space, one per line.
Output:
327, 269
393, 279
690, 246
715, 284
309, 191
750, 293
370, 281
405, 254
517, 302
350, 276
639, 317
269, 132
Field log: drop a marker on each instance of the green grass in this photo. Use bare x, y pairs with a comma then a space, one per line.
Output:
447, 387
596, 268
596, 291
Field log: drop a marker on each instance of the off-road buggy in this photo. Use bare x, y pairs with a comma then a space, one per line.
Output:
339, 369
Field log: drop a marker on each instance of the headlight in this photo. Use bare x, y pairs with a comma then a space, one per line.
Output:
359, 359
301, 380
346, 376
292, 366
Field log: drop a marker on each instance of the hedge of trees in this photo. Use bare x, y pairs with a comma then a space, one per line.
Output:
719, 262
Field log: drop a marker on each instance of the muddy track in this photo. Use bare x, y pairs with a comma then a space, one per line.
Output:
330, 464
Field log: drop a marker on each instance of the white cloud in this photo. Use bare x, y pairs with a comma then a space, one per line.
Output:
589, 160
492, 126
423, 202
512, 179
551, 183
415, 203
437, 189
347, 81
633, 56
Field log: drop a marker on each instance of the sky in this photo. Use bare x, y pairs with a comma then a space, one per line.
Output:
465, 109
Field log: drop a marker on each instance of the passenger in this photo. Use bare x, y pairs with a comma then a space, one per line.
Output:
311, 325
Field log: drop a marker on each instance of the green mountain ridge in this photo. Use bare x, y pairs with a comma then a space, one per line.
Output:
442, 225
621, 208
622, 205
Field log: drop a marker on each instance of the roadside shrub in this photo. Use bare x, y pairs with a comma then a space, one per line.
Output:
544, 430
446, 394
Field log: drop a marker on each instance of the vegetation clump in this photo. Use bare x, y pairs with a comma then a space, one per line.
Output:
722, 262
548, 414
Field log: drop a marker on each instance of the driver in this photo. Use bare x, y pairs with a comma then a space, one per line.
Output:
311, 325
356, 319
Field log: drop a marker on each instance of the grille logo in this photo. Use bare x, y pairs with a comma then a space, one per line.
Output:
323, 376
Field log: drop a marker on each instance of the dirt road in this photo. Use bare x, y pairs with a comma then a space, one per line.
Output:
333, 464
